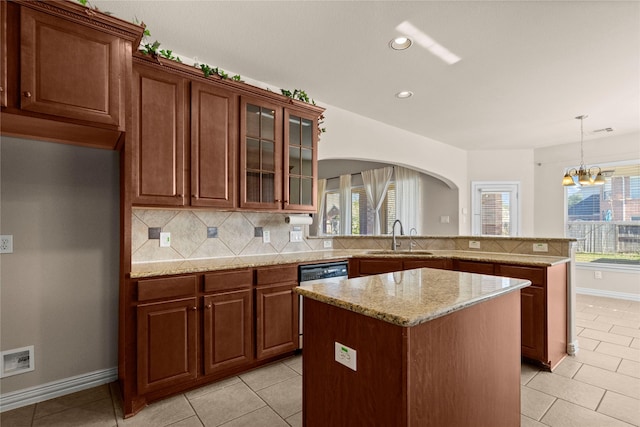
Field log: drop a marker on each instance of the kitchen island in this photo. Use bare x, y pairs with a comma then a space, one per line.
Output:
420, 347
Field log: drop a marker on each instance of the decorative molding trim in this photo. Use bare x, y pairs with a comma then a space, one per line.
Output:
40, 393
608, 294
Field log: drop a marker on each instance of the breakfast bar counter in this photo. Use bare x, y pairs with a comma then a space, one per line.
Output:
420, 347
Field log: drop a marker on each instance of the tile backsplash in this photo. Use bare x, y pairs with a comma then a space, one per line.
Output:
235, 231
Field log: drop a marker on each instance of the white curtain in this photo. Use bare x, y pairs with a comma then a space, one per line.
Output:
345, 204
376, 183
408, 198
322, 185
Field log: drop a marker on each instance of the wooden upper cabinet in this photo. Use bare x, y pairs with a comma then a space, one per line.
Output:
3, 53
260, 154
300, 161
158, 137
214, 136
70, 70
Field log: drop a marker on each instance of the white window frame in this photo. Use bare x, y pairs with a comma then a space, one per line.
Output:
512, 187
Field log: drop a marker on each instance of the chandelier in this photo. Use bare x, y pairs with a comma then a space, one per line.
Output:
583, 176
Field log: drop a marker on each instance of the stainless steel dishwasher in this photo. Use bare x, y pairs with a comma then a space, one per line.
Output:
309, 273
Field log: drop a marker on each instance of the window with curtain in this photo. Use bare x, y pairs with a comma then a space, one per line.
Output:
362, 213
606, 219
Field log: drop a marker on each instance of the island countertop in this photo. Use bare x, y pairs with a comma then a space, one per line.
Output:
411, 297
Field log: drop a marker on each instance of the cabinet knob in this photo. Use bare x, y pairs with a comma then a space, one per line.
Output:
194, 308
209, 305
179, 196
194, 196
1, 89
27, 94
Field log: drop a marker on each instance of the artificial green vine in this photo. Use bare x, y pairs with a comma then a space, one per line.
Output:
301, 95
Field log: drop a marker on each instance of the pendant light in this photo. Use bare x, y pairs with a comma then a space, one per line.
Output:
583, 176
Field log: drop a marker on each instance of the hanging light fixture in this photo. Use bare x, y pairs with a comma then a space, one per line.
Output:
583, 176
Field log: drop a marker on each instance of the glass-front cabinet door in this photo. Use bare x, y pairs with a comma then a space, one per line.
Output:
300, 160
260, 155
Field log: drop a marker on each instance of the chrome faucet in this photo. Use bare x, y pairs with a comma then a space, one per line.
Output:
395, 245
412, 232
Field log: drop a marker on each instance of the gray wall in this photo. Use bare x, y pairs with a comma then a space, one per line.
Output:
59, 289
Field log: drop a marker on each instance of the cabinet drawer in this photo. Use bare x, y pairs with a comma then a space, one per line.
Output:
536, 275
379, 266
170, 287
228, 280
474, 267
271, 275
443, 264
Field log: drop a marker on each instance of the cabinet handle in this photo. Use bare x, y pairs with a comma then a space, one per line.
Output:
27, 94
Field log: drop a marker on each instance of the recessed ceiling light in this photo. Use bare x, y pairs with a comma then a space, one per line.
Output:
404, 94
400, 43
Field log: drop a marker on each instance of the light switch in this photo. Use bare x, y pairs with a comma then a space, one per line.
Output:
345, 356
165, 239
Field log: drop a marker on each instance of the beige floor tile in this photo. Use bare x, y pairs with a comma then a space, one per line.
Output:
597, 359
629, 367
626, 331
589, 324
616, 351
98, 413
189, 422
570, 390
616, 321
19, 417
565, 414
605, 311
586, 316
534, 403
613, 381
621, 407
578, 330
609, 337
295, 420
226, 404
162, 413
528, 422
567, 368
285, 397
218, 385
72, 400
267, 376
294, 363
263, 417
635, 343
587, 343
527, 371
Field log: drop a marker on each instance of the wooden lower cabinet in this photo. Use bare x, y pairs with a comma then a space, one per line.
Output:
544, 303
167, 344
276, 320
227, 331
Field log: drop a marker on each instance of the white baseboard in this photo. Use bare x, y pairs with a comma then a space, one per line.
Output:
40, 393
608, 294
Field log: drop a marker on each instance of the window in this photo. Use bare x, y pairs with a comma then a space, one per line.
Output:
606, 219
362, 213
495, 209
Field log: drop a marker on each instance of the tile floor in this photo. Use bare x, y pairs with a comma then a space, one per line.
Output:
600, 387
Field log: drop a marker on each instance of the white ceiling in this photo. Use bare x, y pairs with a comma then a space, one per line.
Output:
527, 69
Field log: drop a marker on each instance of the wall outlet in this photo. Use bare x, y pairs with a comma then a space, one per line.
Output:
295, 236
165, 239
445, 219
266, 236
17, 361
345, 356
474, 244
327, 244
6, 244
540, 247
597, 274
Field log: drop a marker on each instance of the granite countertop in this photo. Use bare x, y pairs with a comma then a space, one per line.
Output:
408, 298
165, 268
